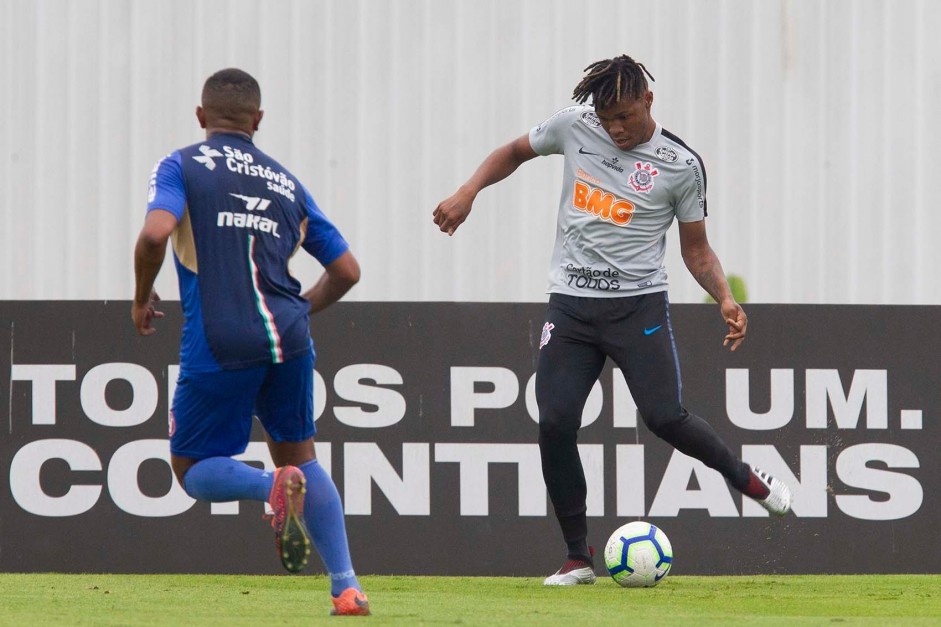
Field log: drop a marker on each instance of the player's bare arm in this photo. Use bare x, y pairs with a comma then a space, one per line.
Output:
148, 258
340, 276
704, 265
499, 164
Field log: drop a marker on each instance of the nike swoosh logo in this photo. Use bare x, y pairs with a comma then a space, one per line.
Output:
653, 330
582, 151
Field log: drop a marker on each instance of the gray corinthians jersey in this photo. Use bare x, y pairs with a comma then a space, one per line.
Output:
616, 206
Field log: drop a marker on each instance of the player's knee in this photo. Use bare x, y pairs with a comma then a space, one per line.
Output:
663, 421
188, 489
560, 414
554, 427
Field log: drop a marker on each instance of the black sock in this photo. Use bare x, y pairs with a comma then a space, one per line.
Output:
575, 533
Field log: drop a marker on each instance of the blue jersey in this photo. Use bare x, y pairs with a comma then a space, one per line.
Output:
242, 216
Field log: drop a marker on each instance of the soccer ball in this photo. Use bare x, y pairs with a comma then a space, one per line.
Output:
638, 555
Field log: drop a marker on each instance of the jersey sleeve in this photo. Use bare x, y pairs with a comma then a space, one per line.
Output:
691, 192
547, 138
323, 240
167, 190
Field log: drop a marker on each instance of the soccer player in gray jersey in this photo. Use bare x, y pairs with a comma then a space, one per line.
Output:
625, 180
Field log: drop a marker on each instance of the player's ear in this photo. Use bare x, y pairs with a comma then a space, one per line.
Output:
257, 120
648, 98
201, 116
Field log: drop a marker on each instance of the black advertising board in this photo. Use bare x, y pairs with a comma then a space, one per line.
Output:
426, 420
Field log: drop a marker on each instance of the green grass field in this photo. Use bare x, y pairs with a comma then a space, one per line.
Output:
43, 599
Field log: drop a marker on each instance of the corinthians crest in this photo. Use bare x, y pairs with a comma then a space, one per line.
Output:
641, 178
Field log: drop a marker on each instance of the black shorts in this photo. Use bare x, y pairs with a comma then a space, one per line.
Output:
580, 333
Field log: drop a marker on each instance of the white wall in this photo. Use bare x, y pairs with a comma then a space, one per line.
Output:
817, 120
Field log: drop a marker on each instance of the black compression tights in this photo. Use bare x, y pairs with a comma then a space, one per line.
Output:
583, 334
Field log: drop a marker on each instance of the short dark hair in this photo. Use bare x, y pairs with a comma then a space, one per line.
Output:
231, 93
610, 81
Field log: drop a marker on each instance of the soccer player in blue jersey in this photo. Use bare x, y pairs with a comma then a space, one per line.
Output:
236, 217
625, 181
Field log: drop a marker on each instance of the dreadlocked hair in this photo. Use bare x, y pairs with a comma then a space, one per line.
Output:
612, 80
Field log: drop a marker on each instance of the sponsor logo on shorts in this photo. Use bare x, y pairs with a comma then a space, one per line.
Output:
546, 334
641, 178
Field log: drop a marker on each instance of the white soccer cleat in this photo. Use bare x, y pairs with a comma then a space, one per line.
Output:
572, 573
778, 501
574, 577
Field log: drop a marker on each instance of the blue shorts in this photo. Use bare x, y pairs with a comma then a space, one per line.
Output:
212, 411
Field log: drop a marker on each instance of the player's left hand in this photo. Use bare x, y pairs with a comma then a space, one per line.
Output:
737, 321
144, 313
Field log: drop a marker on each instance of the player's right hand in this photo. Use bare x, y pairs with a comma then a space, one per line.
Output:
451, 212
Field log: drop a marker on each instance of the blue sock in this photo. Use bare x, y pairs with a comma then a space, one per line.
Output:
323, 512
220, 479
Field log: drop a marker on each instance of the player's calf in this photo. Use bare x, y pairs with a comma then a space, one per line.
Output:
287, 502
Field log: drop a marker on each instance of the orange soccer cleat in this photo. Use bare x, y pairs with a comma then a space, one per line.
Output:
351, 602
